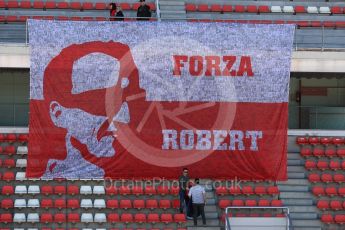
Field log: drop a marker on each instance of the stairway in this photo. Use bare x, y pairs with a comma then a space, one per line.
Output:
295, 194
212, 218
172, 9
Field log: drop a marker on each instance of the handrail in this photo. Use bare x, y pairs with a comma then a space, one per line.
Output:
158, 11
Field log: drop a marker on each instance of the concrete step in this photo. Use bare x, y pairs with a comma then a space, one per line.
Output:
294, 156
306, 223
294, 182
211, 201
171, 3
171, 8
178, 12
209, 223
210, 208
172, 16
297, 209
297, 188
209, 194
296, 175
296, 169
211, 215
296, 195
203, 228
297, 202
307, 228
303, 216
295, 162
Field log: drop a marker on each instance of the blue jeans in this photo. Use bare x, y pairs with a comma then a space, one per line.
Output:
183, 203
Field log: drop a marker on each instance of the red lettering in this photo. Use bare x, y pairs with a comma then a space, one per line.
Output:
178, 64
196, 65
245, 66
230, 61
212, 63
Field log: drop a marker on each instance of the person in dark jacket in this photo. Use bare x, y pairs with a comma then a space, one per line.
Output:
115, 12
144, 12
119, 14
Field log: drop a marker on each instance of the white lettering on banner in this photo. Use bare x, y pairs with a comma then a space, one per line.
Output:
210, 139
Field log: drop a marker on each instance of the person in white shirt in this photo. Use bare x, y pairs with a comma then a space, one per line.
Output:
198, 195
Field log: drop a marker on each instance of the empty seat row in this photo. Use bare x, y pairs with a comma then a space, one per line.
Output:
20, 189
330, 219
264, 9
11, 137
20, 203
330, 191
250, 202
320, 140
333, 204
248, 190
327, 177
321, 152
8, 150
324, 165
75, 5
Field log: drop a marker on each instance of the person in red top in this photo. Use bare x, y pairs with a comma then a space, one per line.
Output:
112, 12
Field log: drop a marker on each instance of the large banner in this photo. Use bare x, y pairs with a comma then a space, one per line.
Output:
146, 99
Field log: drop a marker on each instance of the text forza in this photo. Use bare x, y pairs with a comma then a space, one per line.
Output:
213, 65
210, 139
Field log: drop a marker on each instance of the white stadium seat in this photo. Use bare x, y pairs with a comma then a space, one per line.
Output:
20, 176
276, 9
20, 203
325, 10
19, 218
20, 189
99, 203
33, 203
100, 218
86, 218
22, 150
312, 10
34, 189
19, 229
98, 190
288, 9
33, 218
86, 203
85, 190
21, 163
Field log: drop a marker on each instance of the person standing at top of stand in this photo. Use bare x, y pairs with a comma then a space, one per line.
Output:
144, 11
183, 182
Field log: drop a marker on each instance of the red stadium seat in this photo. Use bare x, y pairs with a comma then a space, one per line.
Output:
264, 9
276, 203
2, 137
150, 190
139, 204
328, 24
322, 165
135, 6
46, 218
47, 190
306, 152
73, 203
302, 140
6, 203
224, 203
220, 191
239, 9
76, 18
227, 8
180, 218
140, 218
235, 190
309, 164
336, 10
273, 190
73, 218
336, 205
341, 153
338, 141
327, 178
112, 190
314, 177
37, 5
330, 152
7, 190
318, 152
312, 140
247, 190
190, 7
63, 5
126, 217
124, 190
339, 178
252, 9
237, 203
162, 190
331, 191
174, 190
251, 203
323, 204
9, 163
72, 190
46, 203
125, 204
112, 204
63, 18
325, 140
75, 5
125, 6
3, 4
151, 204
6, 218
12, 4
175, 203
318, 191
166, 218
152, 5
327, 218
100, 6
334, 165
316, 24
10, 150
60, 190
153, 218
137, 190
87, 5
50, 5
264, 203
339, 219
11, 137
60, 218
60, 203
113, 218
216, 8
260, 190
164, 204
203, 8
341, 192
8, 176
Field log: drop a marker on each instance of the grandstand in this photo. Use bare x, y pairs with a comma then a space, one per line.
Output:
315, 190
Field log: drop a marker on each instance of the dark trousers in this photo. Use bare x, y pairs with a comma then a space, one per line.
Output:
199, 208
183, 200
